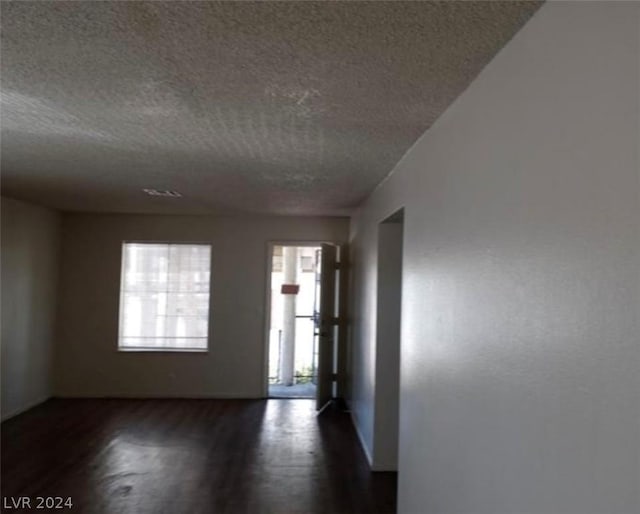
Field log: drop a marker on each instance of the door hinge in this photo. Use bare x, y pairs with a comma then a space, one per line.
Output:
331, 322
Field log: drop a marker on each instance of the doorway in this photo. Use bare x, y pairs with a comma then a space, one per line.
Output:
293, 335
389, 315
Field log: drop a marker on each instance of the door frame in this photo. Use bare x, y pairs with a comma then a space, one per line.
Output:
267, 299
390, 272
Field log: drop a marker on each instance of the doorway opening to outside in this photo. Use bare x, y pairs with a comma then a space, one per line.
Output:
294, 321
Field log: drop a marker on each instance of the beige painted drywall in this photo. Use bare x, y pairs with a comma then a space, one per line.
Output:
520, 351
29, 253
87, 360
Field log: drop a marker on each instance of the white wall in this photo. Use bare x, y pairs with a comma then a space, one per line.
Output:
87, 360
29, 250
520, 383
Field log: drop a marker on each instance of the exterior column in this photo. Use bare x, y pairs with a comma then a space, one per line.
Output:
287, 350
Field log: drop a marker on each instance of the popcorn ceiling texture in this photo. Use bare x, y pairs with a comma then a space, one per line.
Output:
265, 107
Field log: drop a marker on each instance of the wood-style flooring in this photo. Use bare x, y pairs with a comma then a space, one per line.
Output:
191, 456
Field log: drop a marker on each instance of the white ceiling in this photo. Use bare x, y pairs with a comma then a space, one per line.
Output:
262, 107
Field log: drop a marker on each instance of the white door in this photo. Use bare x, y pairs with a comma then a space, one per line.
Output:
327, 323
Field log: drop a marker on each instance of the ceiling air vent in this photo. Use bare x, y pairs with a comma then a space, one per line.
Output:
165, 193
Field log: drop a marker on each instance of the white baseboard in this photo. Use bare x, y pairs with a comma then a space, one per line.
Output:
24, 408
362, 442
384, 467
153, 396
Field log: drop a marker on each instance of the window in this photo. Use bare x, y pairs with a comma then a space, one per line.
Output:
164, 297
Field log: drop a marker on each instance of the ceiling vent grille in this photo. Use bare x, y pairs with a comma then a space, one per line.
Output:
164, 193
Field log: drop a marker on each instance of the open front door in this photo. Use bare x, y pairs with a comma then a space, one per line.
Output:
327, 324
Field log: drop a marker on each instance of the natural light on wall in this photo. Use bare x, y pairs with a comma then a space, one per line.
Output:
164, 297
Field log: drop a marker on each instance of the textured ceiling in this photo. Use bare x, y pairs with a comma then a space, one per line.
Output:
265, 107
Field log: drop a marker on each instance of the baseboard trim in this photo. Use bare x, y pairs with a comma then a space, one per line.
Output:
147, 396
387, 468
24, 408
363, 445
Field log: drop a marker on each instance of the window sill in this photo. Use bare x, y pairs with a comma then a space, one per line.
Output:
163, 350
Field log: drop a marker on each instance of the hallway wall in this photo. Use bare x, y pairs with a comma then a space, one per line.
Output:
521, 304
30, 244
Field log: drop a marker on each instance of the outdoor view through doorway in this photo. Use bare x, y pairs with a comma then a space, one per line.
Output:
293, 331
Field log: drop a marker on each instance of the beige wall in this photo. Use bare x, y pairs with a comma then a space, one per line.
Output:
87, 360
520, 351
29, 251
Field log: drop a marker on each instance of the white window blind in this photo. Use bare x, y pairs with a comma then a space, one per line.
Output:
164, 296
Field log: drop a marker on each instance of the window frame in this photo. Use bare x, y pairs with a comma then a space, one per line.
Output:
121, 349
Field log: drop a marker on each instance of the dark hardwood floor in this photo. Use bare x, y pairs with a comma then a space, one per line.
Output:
192, 456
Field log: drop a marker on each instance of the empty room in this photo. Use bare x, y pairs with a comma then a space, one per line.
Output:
320, 257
